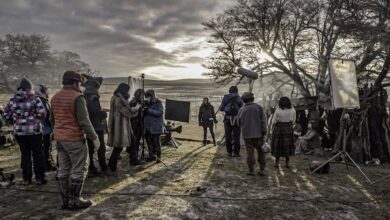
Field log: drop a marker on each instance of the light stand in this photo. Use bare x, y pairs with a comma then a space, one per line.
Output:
343, 153
142, 115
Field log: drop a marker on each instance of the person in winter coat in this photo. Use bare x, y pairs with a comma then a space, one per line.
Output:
42, 93
253, 123
282, 140
119, 124
25, 111
153, 125
207, 119
71, 125
97, 117
231, 103
136, 124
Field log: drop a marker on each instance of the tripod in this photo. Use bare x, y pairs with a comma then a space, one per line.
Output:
343, 153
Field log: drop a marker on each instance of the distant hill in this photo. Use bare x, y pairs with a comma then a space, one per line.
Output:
154, 81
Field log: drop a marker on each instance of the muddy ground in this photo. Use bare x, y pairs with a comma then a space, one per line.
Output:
201, 182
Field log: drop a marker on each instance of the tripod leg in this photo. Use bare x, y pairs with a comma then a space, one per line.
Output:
381, 179
357, 166
334, 157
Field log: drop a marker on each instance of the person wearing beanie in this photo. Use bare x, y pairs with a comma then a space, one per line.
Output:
253, 123
119, 124
71, 125
42, 93
97, 117
25, 111
230, 105
153, 125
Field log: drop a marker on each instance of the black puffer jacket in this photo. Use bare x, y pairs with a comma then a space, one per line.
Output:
206, 115
96, 115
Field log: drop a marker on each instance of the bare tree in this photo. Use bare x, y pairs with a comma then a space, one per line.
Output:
299, 37
31, 56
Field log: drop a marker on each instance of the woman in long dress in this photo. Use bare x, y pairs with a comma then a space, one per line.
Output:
282, 142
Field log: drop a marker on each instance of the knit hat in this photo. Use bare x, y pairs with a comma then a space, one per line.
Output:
72, 75
25, 85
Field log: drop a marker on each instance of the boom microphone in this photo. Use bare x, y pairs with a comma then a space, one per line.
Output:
248, 73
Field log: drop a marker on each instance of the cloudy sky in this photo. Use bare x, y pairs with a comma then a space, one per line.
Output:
117, 37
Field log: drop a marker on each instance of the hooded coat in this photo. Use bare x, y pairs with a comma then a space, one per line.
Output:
206, 115
226, 105
119, 122
25, 111
153, 120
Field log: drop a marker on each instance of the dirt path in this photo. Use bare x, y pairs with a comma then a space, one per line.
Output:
203, 183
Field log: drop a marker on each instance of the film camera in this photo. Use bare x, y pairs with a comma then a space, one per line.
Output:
167, 138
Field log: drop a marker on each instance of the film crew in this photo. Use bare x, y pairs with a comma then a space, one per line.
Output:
282, 141
207, 119
119, 124
153, 125
231, 103
253, 123
71, 124
136, 125
42, 93
25, 111
97, 117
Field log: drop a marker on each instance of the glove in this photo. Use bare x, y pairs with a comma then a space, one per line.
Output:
216, 122
54, 144
96, 143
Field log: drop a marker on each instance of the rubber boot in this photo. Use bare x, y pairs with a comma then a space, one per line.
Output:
204, 142
63, 184
214, 142
76, 202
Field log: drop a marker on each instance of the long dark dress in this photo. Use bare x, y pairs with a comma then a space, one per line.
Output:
282, 142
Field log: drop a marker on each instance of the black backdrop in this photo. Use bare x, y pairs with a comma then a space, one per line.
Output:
177, 110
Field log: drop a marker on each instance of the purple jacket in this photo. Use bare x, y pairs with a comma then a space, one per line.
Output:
25, 110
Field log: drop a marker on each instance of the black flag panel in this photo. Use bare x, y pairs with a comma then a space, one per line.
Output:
177, 110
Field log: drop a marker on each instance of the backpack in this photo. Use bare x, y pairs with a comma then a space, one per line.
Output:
233, 110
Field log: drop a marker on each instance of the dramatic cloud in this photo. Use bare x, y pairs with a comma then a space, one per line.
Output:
121, 36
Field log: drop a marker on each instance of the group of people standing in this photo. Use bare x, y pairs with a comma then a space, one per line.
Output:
245, 118
75, 123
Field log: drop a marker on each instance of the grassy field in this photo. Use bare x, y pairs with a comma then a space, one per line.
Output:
202, 182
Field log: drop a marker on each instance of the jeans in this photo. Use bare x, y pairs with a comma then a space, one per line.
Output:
232, 133
101, 153
154, 145
211, 128
31, 145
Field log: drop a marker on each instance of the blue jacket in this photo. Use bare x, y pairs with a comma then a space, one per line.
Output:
153, 120
225, 104
46, 123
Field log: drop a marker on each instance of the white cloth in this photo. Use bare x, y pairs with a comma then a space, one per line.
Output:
134, 83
